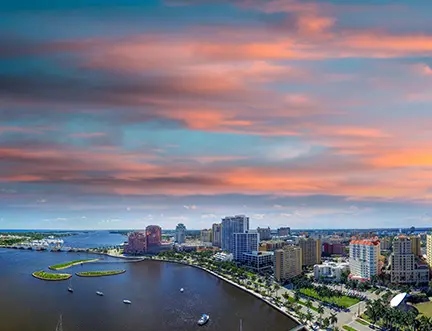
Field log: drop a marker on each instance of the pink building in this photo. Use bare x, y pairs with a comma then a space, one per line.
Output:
137, 243
154, 235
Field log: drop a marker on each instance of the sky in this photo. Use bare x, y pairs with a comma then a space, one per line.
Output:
123, 113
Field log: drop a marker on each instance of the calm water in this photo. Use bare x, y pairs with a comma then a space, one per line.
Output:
30, 304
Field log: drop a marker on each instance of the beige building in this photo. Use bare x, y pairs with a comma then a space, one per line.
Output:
406, 268
386, 243
287, 262
416, 245
206, 236
429, 250
311, 251
217, 234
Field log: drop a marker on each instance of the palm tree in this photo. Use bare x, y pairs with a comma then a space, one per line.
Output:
309, 303
326, 323
296, 296
320, 312
309, 316
333, 318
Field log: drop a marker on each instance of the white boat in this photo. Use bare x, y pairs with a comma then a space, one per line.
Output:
99, 293
204, 319
70, 289
128, 302
182, 290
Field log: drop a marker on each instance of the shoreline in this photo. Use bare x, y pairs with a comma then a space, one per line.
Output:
256, 295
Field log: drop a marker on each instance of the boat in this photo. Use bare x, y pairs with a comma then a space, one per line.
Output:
204, 319
241, 325
182, 290
128, 302
99, 293
70, 289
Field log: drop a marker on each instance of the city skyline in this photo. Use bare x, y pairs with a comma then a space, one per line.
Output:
306, 114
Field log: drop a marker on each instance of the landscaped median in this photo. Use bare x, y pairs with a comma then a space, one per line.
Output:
70, 264
50, 276
100, 273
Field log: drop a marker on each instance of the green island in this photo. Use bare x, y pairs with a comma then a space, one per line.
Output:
50, 276
70, 264
100, 273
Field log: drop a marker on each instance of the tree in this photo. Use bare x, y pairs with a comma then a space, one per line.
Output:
296, 296
333, 318
320, 312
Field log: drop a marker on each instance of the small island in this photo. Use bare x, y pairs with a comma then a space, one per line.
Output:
100, 273
70, 264
50, 276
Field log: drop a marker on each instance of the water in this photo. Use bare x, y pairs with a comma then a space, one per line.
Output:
153, 287
93, 239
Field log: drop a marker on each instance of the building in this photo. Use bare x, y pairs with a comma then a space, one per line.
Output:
260, 262
231, 225
223, 257
206, 236
265, 233
272, 245
329, 249
284, 232
405, 267
386, 243
180, 233
287, 263
154, 235
364, 258
429, 250
137, 243
217, 234
311, 251
330, 270
246, 242
416, 245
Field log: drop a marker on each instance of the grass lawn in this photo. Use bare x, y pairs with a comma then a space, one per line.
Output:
425, 308
358, 320
343, 300
291, 299
348, 328
50, 276
100, 273
70, 264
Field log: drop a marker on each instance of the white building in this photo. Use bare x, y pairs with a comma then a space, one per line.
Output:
246, 242
223, 257
180, 233
331, 270
363, 261
231, 225
258, 261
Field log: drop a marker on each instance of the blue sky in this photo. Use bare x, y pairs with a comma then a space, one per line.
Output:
309, 114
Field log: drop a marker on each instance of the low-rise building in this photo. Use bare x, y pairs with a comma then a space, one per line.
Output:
329, 249
330, 270
260, 262
223, 257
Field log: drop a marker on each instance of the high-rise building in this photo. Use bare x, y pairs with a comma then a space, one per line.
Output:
364, 258
265, 233
333, 249
217, 234
231, 225
206, 236
311, 251
287, 263
284, 232
386, 243
272, 245
180, 233
137, 243
429, 250
246, 242
405, 266
154, 235
416, 245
